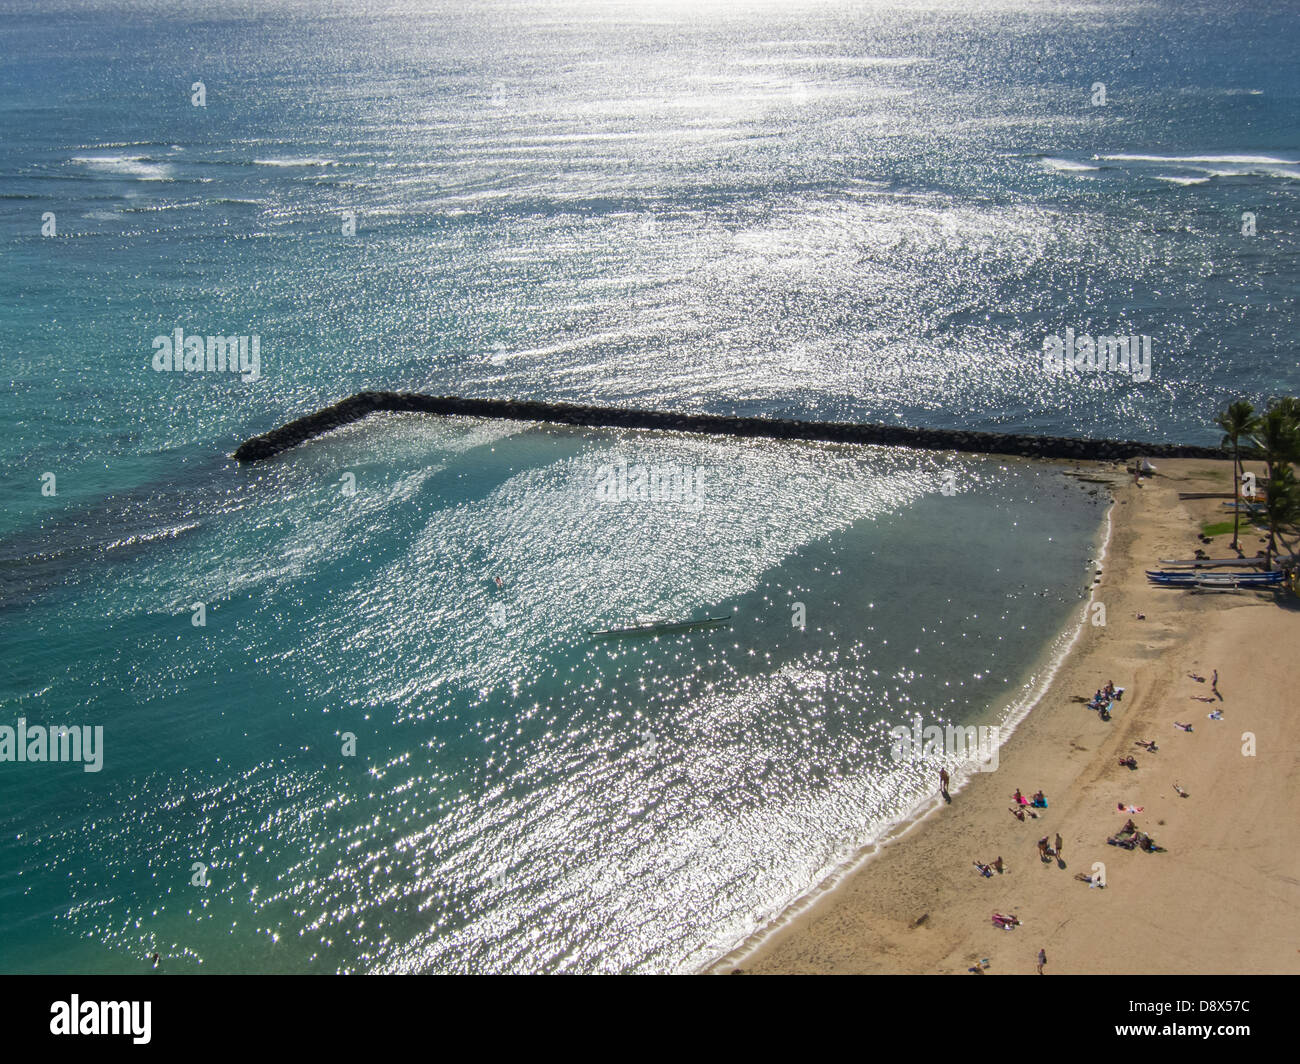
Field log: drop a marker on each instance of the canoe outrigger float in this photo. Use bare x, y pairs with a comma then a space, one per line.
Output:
653, 627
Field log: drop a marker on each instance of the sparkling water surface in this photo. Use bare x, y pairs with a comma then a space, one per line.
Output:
823, 210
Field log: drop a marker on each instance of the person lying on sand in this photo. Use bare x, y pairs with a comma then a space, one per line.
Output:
1148, 743
1019, 814
1181, 793
1202, 698
1216, 715
1092, 881
1180, 724
1005, 922
1129, 762
985, 870
1121, 841
1129, 809
980, 966
1198, 679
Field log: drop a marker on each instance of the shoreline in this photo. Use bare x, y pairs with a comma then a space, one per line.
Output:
1008, 717
919, 906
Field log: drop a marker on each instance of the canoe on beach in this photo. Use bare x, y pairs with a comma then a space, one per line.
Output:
1198, 579
1209, 563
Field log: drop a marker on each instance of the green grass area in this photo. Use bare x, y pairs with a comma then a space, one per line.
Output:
1221, 528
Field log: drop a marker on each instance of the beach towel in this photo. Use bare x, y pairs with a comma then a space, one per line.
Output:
1039, 803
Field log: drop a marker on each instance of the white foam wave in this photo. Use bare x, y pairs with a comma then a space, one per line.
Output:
295, 162
1067, 165
1241, 160
141, 167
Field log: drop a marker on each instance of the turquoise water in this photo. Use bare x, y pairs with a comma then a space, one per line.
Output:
522, 796
814, 210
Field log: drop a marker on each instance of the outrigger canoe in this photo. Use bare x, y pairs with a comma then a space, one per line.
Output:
1199, 579
1209, 563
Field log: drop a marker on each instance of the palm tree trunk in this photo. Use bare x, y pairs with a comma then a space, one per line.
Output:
1236, 495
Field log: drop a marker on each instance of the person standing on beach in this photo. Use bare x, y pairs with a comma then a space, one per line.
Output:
1058, 845
1042, 960
943, 783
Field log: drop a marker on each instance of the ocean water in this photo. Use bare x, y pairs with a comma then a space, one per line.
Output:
836, 210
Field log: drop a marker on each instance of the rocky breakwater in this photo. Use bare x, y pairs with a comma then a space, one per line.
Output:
358, 406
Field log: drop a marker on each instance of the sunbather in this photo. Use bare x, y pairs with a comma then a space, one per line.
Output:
985, 870
1180, 724
1129, 809
1005, 922
1181, 793
1092, 881
1149, 744
1129, 762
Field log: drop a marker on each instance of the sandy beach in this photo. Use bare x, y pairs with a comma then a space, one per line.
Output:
1224, 897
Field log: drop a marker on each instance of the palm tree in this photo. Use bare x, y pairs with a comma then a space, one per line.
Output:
1282, 507
1237, 421
1289, 406
1277, 436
